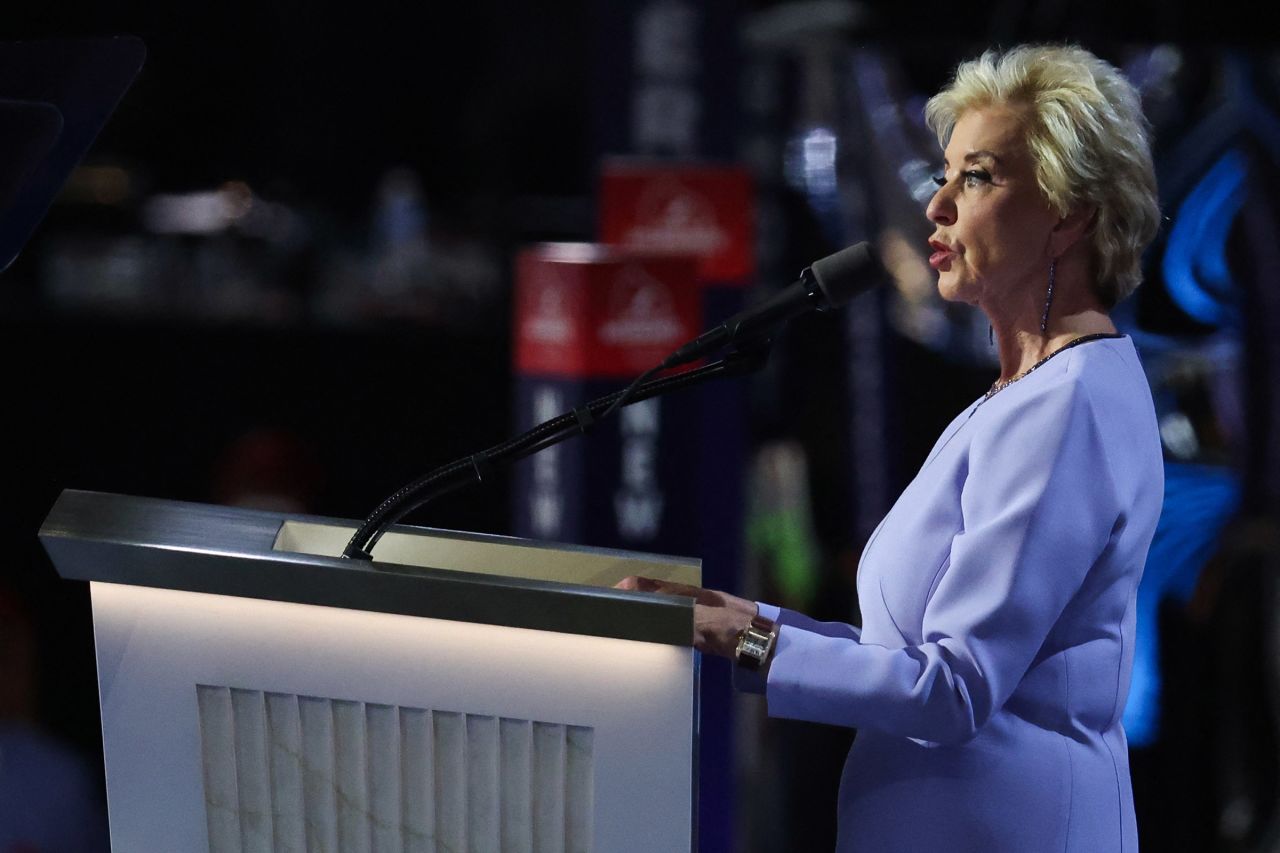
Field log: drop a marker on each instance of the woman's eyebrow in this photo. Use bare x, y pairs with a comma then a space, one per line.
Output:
976, 155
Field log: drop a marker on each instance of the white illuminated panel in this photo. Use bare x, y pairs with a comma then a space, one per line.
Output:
609, 721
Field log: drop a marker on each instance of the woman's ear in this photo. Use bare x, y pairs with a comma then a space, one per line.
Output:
1071, 228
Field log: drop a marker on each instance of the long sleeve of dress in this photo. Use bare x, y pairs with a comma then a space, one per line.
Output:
751, 682
783, 616
1038, 509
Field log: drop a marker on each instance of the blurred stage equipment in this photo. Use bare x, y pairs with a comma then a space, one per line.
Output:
55, 96
1207, 322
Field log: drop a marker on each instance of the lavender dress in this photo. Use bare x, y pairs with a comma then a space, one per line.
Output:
990, 673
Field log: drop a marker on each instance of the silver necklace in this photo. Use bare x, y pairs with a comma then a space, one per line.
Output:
998, 386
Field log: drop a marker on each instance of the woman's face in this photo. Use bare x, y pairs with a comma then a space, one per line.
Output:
992, 225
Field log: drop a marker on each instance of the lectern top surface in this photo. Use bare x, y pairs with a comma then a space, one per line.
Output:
440, 574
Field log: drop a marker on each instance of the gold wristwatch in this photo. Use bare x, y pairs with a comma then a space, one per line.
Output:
755, 643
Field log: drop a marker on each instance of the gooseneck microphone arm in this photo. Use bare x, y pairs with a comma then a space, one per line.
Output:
474, 469
828, 283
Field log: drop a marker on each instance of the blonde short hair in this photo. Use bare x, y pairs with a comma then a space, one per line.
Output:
1088, 137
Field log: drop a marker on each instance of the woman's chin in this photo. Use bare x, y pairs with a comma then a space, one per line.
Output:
949, 289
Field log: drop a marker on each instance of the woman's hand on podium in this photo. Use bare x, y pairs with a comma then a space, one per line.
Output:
718, 617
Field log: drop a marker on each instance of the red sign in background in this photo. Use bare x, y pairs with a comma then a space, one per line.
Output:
585, 310
706, 211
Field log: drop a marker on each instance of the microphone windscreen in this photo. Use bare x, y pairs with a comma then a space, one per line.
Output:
848, 272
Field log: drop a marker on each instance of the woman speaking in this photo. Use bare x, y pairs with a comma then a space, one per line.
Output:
989, 675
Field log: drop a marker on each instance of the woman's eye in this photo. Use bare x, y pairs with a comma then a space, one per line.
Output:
972, 178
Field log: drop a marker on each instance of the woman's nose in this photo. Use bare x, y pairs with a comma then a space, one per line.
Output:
941, 210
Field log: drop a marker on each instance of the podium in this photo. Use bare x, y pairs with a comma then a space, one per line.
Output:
461, 692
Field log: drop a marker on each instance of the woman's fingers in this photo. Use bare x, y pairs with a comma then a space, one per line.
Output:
643, 584
716, 629
718, 616
708, 597
639, 584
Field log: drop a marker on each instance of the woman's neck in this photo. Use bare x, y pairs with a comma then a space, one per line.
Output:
1074, 312
1020, 347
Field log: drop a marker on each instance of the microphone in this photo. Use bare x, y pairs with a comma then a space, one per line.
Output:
828, 283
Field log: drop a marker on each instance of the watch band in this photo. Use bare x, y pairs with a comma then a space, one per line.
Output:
755, 643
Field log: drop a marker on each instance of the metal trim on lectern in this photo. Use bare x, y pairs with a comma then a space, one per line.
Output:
94, 536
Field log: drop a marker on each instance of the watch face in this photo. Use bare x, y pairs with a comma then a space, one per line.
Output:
753, 647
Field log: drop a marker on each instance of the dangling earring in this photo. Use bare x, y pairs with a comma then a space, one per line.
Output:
1048, 299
